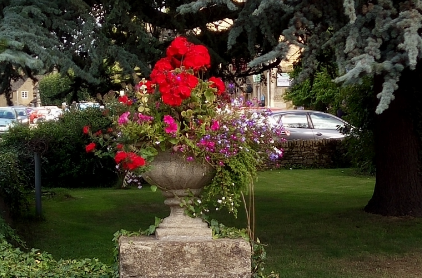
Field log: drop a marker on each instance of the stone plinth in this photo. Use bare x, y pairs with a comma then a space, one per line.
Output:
147, 257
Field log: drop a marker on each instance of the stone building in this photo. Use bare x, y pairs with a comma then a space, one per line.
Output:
24, 93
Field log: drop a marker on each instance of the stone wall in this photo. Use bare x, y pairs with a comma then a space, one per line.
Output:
324, 153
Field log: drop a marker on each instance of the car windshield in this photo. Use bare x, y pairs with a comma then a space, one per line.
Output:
7, 114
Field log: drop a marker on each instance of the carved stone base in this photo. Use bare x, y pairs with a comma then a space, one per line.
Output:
148, 257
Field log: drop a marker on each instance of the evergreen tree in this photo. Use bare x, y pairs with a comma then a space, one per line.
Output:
376, 38
85, 39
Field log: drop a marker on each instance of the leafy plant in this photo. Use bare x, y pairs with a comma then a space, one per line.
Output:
13, 180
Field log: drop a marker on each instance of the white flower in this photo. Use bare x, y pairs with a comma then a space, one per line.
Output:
219, 201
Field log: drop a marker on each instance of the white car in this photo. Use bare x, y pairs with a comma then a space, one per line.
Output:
8, 117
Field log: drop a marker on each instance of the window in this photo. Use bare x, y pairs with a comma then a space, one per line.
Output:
24, 94
322, 121
295, 120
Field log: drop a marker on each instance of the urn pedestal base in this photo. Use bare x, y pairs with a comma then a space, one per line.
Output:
147, 257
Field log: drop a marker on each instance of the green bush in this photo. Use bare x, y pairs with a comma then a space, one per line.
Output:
65, 161
33, 264
61, 143
13, 183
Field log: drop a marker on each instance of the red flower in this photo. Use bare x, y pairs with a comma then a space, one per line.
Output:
197, 58
124, 99
160, 70
145, 84
129, 160
178, 47
85, 129
172, 100
217, 83
90, 147
99, 132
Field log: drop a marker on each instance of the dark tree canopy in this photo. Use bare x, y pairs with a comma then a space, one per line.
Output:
85, 39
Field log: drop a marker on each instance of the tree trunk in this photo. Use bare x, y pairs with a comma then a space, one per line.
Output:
398, 188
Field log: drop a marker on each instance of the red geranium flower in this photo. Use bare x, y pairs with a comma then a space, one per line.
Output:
85, 129
129, 160
197, 58
217, 83
90, 147
178, 47
124, 99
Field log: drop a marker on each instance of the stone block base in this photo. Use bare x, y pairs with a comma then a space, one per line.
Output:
147, 257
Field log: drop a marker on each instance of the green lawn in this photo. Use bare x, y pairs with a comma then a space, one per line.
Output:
312, 222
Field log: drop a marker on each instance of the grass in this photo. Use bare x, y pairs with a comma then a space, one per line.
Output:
312, 222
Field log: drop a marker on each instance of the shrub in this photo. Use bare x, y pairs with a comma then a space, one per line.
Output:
13, 184
17, 263
65, 161
61, 143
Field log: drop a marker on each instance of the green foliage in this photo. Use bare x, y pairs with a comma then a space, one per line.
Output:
229, 182
54, 89
13, 181
318, 93
36, 264
66, 163
61, 143
9, 234
359, 108
15, 262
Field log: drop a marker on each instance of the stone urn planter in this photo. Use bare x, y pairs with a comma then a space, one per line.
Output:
183, 246
178, 179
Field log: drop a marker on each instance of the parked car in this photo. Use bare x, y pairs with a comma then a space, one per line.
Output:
8, 117
23, 115
309, 124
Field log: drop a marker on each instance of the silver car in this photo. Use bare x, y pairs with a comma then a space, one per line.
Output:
8, 117
23, 115
309, 124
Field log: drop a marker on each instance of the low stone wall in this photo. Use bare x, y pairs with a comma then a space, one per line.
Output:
324, 153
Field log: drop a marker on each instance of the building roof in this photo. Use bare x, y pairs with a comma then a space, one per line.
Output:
17, 84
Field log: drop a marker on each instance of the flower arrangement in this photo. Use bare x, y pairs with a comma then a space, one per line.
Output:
178, 109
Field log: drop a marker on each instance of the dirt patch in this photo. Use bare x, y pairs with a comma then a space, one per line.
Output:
404, 266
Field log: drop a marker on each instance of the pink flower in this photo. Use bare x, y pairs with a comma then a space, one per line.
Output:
124, 118
215, 125
171, 128
171, 124
168, 119
144, 118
